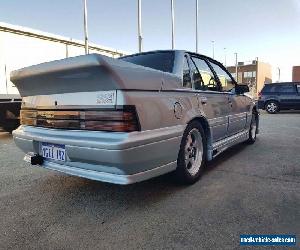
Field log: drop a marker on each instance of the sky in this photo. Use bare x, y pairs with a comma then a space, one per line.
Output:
267, 29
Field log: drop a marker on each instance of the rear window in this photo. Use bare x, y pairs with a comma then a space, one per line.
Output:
285, 88
270, 88
163, 61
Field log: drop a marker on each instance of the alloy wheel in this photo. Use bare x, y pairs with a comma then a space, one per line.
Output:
193, 151
272, 107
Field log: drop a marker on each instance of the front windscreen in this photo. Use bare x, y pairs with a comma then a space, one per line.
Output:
163, 61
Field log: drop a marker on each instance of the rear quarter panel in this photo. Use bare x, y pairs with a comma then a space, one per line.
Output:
159, 109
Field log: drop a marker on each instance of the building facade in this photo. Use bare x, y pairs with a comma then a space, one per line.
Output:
296, 74
255, 75
21, 47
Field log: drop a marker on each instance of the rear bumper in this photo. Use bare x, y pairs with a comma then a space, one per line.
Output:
120, 158
110, 177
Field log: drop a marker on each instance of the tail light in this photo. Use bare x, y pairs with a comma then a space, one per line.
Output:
28, 117
124, 120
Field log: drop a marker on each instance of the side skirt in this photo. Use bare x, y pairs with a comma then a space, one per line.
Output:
220, 146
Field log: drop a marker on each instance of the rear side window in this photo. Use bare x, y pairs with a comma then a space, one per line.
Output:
163, 61
298, 88
187, 81
287, 88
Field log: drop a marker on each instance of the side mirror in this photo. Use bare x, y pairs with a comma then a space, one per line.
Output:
240, 89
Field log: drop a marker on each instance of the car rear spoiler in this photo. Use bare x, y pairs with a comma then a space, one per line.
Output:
90, 73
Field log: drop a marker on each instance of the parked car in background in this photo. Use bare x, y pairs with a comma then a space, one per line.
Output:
279, 96
129, 119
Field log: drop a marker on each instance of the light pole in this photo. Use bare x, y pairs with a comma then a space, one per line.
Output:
173, 28
213, 49
225, 57
278, 74
196, 26
6, 82
86, 40
140, 38
255, 78
236, 67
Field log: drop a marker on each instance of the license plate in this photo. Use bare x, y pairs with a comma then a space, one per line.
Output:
55, 152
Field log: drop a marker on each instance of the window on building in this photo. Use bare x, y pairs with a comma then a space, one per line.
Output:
225, 79
249, 74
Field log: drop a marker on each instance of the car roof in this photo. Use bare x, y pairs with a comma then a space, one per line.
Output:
281, 83
178, 52
170, 50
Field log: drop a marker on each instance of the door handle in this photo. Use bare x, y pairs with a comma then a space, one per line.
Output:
230, 102
203, 99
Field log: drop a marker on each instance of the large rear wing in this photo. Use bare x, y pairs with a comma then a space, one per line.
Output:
89, 73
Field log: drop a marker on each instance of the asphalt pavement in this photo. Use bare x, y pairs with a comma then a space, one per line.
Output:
246, 190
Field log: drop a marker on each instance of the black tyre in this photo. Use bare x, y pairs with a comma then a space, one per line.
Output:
272, 107
11, 125
192, 154
253, 129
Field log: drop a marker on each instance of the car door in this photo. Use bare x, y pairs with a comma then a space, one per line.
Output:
288, 96
213, 104
239, 105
